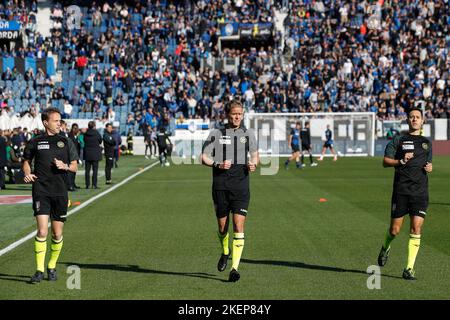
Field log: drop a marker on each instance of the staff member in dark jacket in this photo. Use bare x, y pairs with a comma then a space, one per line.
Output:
109, 144
162, 139
2, 161
92, 154
118, 139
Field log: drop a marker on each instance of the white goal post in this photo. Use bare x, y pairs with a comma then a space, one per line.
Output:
353, 132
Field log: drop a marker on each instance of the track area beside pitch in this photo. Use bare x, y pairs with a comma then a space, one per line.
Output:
17, 219
155, 238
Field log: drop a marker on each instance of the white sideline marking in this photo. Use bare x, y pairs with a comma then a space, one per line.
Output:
14, 245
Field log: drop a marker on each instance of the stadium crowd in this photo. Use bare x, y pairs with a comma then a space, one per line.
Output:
145, 64
378, 56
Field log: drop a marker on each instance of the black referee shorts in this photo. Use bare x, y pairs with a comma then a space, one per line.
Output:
55, 206
234, 201
402, 205
305, 147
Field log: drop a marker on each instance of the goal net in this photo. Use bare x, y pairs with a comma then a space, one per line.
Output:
353, 132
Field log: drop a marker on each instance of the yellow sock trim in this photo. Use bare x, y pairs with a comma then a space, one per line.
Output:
238, 247
413, 249
40, 248
56, 247
223, 239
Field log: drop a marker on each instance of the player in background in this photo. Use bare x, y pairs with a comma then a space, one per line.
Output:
163, 146
305, 137
328, 144
294, 144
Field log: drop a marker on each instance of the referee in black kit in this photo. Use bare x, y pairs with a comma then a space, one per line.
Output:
411, 156
54, 156
229, 149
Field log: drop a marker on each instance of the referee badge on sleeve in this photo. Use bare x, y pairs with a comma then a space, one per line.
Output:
425, 146
243, 139
60, 144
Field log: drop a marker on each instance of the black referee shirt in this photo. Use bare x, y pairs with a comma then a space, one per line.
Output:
411, 178
44, 149
233, 145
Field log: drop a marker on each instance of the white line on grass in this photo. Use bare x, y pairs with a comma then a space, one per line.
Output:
14, 245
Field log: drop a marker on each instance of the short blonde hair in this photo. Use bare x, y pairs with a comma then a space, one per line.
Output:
233, 104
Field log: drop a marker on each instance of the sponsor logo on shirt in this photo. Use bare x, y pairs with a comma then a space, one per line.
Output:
408, 147
43, 147
225, 140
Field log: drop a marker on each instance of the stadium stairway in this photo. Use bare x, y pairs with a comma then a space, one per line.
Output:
44, 23
279, 26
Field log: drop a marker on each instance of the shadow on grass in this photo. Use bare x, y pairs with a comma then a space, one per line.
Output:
18, 187
302, 265
137, 269
14, 277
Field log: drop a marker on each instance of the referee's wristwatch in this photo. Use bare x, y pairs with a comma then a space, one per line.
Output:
216, 165
402, 162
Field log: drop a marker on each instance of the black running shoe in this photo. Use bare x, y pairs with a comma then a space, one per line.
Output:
408, 274
37, 277
234, 276
383, 256
51, 273
222, 264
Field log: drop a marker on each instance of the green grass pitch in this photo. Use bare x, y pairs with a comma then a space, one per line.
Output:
155, 237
